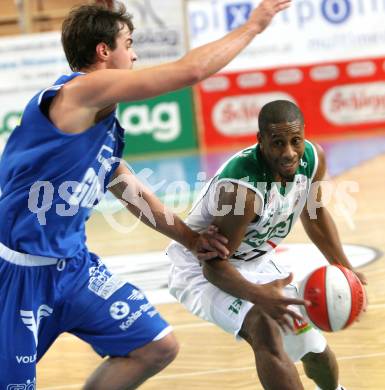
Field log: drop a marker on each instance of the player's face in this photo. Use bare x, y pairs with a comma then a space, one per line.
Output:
123, 56
283, 145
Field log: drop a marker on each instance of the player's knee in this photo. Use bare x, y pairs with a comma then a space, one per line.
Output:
314, 359
325, 359
161, 353
322, 365
167, 351
262, 332
311, 362
311, 359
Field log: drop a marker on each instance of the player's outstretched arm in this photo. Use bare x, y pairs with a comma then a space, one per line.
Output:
141, 202
220, 272
103, 88
322, 229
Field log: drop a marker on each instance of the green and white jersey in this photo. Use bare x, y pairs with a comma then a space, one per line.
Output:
280, 205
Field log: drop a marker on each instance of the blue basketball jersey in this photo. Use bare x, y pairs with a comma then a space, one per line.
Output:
49, 282
50, 180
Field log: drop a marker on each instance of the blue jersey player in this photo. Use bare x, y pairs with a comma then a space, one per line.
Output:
56, 164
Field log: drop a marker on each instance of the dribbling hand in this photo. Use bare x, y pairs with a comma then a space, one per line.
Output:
273, 302
362, 277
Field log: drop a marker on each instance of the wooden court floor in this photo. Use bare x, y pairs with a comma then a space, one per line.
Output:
210, 359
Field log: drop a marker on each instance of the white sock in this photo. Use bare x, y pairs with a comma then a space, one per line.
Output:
338, 388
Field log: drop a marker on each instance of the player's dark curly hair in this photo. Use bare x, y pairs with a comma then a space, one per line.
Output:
278, 111
88, 25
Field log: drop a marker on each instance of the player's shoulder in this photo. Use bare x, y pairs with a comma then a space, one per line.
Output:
310, 159
310, 149
316, 155
244, 164
320, 153
60, 84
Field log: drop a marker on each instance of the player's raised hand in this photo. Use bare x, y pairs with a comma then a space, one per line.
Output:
272, 301
210, 244
264, 13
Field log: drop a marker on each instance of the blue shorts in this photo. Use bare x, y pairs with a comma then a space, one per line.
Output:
42, 297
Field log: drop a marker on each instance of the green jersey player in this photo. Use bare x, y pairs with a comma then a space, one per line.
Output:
254, 199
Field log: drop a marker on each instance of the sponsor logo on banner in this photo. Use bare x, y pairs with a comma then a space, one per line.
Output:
161, 124
361, 69
159, 36
216, 84
323, 30
355, 103
251, 80
163, 120
288, 76
159, 32
23, 73
336, 11
238, 115
324, 72
9, 121
237, 14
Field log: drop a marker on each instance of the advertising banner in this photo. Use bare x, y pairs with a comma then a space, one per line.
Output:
27, 64
336, 98
165, 123
159, 34
33, 62
310, 31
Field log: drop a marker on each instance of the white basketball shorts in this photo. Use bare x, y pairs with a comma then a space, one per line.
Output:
188, 285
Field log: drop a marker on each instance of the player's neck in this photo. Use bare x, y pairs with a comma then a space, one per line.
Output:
93, 67
279, 179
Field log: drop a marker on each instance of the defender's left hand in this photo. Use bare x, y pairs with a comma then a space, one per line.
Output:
210, 244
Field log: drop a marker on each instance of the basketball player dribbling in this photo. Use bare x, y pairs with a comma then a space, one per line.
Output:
255, 199
55, 166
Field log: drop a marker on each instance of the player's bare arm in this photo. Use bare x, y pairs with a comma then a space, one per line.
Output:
111, 86
141, 202
221, 272
322, 230
104, 87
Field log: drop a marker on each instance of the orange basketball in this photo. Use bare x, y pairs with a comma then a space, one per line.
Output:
337, 297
